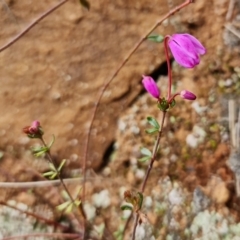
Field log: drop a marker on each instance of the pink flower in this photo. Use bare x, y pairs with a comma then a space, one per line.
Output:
33, 131
187, 95
186, 49
34, 128
151, 87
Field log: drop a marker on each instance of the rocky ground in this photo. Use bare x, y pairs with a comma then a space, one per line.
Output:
54, 74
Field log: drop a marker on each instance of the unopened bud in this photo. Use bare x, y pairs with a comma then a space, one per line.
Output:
187, 95
33, 131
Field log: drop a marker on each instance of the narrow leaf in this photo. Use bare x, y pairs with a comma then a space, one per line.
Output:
52, 167
40, 153
152, 121
61, 165
53, 176
140, 200
46, 174
51, 143
64, 205
77, 202
69, 208
146, 152
156, 38
151, 130
37, 149
144, 159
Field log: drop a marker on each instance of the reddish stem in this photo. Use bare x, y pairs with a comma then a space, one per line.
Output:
169, 67
172, 97
46, 235
40, 218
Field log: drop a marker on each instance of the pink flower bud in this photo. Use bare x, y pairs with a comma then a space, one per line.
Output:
34, 131
186, 49
187, 95
151, 87
34, 128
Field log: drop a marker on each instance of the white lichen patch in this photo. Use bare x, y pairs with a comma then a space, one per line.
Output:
14, 222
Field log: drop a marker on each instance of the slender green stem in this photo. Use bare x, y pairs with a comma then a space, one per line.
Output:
50, 159
154, 153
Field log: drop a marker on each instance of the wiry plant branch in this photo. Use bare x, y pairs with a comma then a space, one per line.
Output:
154, 154
62, 182
38, 184
230, 28
41, 17
46, 235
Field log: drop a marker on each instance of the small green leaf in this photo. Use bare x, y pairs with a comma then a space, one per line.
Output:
85, 4
53, 176
156, 38
51, 143
69, 208
140, 200
63, 206
77, 202
144, 159
61, 165
173, 103
126, 207
152, 121
39, 151
146, 152
151, 130
47, 174
51, 166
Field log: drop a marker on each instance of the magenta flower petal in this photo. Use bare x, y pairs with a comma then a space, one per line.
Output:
199, 47
186, 49
183, 57
151, 87
187, 95
34, 128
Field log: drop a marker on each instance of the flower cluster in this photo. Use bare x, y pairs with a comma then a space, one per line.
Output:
186, 50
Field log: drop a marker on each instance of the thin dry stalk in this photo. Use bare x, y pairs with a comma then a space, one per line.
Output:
31, 25
231, 120
46, 235
235, 144
230, 10
231, 29
38, 184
